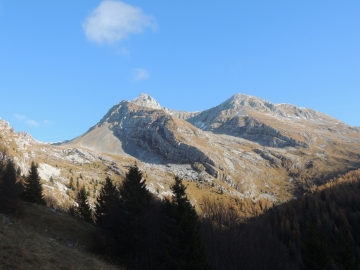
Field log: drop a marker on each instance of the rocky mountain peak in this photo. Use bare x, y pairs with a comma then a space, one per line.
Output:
145, 100
239, 101
120, 110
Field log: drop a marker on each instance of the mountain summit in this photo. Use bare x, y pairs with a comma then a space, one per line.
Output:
238, 143
145, 100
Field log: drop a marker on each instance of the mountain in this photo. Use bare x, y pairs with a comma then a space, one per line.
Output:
244, 147
149, 132
264, 122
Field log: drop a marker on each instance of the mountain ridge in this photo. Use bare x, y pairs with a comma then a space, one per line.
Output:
245, 124
245, 147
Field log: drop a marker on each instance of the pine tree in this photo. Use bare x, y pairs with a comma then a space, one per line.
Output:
71, 183
9, 196
32, 186
133, 205
83, 209
183, 247
105, 202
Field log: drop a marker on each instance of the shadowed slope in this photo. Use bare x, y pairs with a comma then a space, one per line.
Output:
42, 239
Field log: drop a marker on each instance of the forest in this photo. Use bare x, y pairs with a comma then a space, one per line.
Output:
135, 229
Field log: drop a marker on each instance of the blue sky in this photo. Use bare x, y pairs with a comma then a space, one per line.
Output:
64, 64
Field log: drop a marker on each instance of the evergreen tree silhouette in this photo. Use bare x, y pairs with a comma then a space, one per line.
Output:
132, 207
183, 247
105, 203
83, 209
32, 186
9, 196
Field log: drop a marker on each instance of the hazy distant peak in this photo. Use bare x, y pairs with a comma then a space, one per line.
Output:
145, 100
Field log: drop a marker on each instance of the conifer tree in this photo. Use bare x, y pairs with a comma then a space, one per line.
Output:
105, 203
83, 209
9, 196
71, 183
133, 204
183, 247
32, 186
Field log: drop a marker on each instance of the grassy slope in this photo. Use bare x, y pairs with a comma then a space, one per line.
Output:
41, 239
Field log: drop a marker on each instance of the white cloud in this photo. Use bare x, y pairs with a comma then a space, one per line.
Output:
32, 123
112, 21
140, 74
48, 122
29, 122
19, 116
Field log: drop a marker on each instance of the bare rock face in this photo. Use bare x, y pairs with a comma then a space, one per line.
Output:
143, 131
257, 131
147, 101
246, 143
259, 121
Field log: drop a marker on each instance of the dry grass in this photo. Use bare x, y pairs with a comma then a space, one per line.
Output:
41, 239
